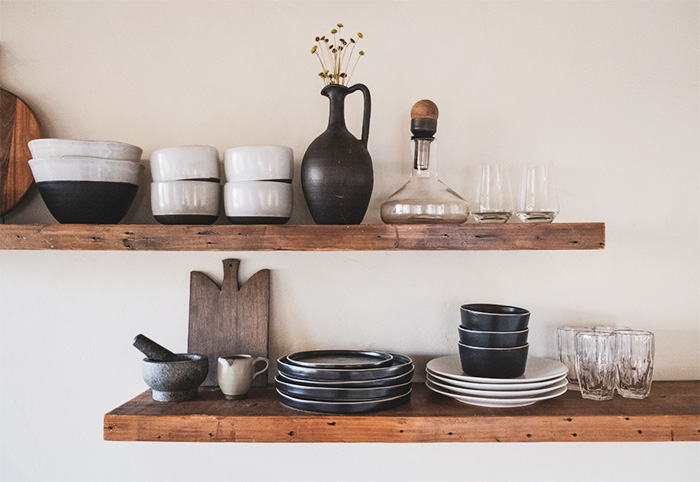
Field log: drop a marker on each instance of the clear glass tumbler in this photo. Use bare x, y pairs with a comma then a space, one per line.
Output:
493, 201
538, 201
567, 351
595, 364
635, 362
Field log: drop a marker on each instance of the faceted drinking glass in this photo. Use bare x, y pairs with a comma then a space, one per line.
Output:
635, 362
537, 198
595, 364
567, 351
493, 202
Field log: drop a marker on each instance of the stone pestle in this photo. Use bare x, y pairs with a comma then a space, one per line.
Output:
153, 350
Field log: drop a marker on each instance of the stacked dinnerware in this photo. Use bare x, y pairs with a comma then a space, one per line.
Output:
185, 188
259, 184
493, 340
86, 182
543, 379
493, 368
344, 381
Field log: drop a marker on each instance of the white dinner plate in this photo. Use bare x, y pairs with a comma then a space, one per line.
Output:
536, 370
495, 386
496, 402
496, 393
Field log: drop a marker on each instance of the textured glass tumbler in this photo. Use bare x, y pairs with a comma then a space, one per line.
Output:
595, 364
493, 202
634, 353
538, 201
567, 351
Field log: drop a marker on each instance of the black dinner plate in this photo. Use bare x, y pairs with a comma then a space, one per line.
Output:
343, 407
379, 382
350, 359
400, 364
341, 394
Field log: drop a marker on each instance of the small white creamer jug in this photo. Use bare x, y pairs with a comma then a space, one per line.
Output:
235, 374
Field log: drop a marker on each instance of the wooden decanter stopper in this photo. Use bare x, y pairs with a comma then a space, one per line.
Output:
424, 114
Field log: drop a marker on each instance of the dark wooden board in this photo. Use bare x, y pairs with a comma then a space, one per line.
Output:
671, 413
18, 126
227, 320
363, 237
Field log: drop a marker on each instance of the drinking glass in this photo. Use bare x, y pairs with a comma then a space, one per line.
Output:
595, 364
635, 362
493, 202
537, 198
567, 351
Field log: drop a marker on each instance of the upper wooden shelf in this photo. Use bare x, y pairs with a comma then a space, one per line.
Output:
363, 237
672, 412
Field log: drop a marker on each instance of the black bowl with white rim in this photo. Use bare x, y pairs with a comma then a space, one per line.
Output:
491, 317
493, 339
493, 362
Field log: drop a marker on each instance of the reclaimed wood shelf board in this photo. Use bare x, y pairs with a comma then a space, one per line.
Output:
362, 237
671, 413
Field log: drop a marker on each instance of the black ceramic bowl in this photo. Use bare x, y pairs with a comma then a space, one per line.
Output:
493, 362
493, 339
86, 190
87, 202
487, 317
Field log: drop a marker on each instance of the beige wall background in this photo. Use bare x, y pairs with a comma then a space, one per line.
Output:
607, 91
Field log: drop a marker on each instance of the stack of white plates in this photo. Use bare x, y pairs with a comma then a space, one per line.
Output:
543, 379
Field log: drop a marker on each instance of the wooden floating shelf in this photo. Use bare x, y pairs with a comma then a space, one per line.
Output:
671, 413
363, 237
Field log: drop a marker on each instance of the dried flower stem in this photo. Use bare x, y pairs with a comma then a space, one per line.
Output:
333, 56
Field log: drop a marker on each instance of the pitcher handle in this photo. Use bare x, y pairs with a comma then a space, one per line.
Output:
255, 362
367, 109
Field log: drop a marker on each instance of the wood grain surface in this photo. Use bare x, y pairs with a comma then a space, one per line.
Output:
671, 413
227, 320
18, 126
363, 237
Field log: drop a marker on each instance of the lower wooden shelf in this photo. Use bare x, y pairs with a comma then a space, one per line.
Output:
671, 413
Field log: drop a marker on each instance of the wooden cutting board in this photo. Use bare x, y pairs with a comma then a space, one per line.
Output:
18, 125
228, 319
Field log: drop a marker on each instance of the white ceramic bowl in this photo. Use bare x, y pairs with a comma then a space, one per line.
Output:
258, 202
85, 169
47, 148
185, 163
259, 163
185, 202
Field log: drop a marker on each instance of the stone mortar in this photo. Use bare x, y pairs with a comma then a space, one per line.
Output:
175, 381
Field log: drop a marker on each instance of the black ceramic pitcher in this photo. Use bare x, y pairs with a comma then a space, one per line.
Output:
336, 172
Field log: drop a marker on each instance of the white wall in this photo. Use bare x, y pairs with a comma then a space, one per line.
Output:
608, 91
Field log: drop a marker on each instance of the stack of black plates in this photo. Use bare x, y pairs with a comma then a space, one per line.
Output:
344, 381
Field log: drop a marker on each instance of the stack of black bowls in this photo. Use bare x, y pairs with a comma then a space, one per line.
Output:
493, 340
344, 381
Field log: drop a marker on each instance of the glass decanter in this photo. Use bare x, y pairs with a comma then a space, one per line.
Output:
424, 199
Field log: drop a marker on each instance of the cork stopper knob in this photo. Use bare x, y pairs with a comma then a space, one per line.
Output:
424, 114
424, 109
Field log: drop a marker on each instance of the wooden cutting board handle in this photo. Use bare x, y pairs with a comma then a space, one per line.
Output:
18, 126
229, 320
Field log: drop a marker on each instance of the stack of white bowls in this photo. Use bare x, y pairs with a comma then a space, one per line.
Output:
185, 188
86, 182
259, 184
